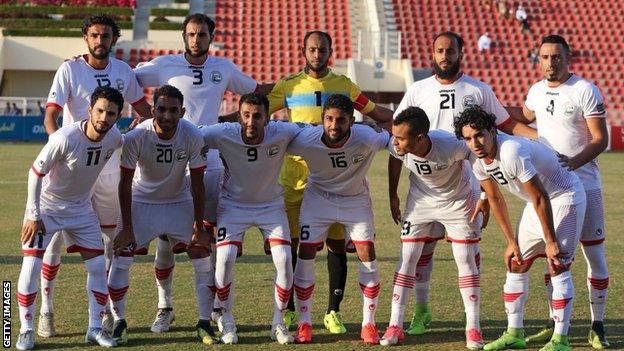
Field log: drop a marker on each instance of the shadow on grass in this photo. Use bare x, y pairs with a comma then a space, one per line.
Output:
76, 259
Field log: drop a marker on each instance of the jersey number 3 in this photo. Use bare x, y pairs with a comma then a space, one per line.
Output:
198, 77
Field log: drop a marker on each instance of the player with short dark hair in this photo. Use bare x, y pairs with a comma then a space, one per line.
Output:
203, 79
161, 200
443, 96
338, 155
70, 94
71, 161
442, 199
571, 118
304, 94
550, 225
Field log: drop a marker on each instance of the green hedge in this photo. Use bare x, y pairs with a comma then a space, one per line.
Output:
41, 33
169, 12
45, 24
63, 10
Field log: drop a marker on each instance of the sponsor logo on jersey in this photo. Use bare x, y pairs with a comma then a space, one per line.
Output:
180, 155
598, 232
53, 94
357, 158
120, 84
440, 166
109, 153
468, 101
216, 77
273, 150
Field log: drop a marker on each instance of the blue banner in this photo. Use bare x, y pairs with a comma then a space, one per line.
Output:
30, 128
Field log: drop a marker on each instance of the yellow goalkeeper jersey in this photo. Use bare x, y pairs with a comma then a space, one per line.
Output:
304, 97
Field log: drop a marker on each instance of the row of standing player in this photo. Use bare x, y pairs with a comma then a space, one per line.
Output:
447, 60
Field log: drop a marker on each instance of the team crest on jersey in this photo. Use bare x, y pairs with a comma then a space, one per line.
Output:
120, 84
598, 232
568, 110
180, 155
53, 94
41, 163
468, 101
357, 158
273, 150
109, 153
216, 77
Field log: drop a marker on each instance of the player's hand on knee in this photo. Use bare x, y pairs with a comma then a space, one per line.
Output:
124, 241
200, 240
552, 255
483, 207
395, 209
30, 229
513, 256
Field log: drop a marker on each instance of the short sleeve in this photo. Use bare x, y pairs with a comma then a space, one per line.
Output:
530, 100
61, 87
300, 143
381, 140
406, 101
477, 169
240, 83
276, 97
148, 74
130, 149
360, 101
133, 93
516, 160
50, 154
593, 103
493, 106
197, 158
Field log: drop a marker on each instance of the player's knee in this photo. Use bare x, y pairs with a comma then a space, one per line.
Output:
520, 268
195, 251
307, 252
336, 246
366, 251
122, 263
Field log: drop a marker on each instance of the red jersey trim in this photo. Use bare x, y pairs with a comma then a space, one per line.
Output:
55, 105
41, 175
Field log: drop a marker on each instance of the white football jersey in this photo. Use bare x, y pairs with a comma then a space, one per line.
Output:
339, 171
442, 102
75, 81
71, 164
518, 160
440, 177
560, 114
161, 164
251, 171
202, 86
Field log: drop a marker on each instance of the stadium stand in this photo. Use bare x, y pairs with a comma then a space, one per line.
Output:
596, 46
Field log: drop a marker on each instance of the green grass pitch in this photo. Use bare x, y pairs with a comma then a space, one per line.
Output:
254, 280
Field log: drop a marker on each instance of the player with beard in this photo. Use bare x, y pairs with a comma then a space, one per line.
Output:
70, 93
571, 118
202, 79
442, 96
304, 95
60, 184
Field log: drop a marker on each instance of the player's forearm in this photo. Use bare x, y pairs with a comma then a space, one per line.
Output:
264, 89
49, 120
498, 207
519, 129
35, 182
590, 152
125, 199
143, 109
517, 114
543, 208
198, 193
394, 174
381, 114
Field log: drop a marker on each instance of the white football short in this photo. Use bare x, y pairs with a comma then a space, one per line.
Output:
593, 232
175, 220
319, 210
80, 233
568, 222
233, 220
425, 224
105, 199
